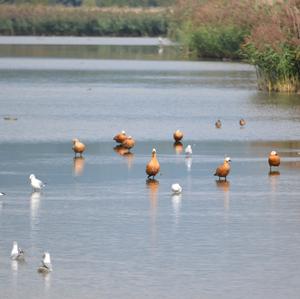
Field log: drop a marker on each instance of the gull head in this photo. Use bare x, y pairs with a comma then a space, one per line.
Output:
32, 176
273, 153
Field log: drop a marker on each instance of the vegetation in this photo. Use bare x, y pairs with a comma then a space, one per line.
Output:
59, 20
274, 47
265, 33
94, 3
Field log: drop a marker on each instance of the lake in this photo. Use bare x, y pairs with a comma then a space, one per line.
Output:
110, 232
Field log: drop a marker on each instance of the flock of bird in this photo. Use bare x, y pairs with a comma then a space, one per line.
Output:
152, 169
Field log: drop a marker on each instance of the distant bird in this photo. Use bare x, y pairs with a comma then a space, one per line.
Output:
160, 40
120, 137
218, 124
242, 122
153, 167
177, 135
10, 118
78, 147
36, 184
2, 193
223, 170
188, 150
46, 265
176, 188
274, 159
17, 253
128, 143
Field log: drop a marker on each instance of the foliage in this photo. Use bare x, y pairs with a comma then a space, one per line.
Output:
58, 20
274, 47
265, 33
93, 3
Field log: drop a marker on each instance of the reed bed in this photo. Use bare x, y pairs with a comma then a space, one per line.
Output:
82, 21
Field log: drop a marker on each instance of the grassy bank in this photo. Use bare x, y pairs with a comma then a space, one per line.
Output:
83, 21
264, 33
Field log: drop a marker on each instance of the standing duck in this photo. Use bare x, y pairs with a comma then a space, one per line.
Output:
128, 143
218, 124
223, 170
120, 137
153, 167
78, 147
177, 135
274, 159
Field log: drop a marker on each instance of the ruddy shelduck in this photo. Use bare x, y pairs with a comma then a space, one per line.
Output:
223, 170
178, 135
274, 159
78, 147
128, 143
120, 137
153, 167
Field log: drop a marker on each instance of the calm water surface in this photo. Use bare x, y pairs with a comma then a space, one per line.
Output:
112, 234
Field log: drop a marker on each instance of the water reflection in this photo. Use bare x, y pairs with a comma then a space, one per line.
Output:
78, 166
178, 146
126, 153
176, 203
153, 186
225, 187
273, 178
47, 281
34, 204
188, 163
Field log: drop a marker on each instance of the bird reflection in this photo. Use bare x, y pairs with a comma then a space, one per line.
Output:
14, 266
129, 156
188, 163
78, 165
225, 187
178, 146
126, 153
47, 280
176, 202
121, 150
34, 203
153, 186
273, 177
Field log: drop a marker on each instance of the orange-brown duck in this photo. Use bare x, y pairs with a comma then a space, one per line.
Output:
120, 137
223, 170
274, 159
78, 147
177, 135
218, 124
153, 167
242, 122
128, 143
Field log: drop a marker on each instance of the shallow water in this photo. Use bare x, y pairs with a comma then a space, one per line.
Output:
109, 232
